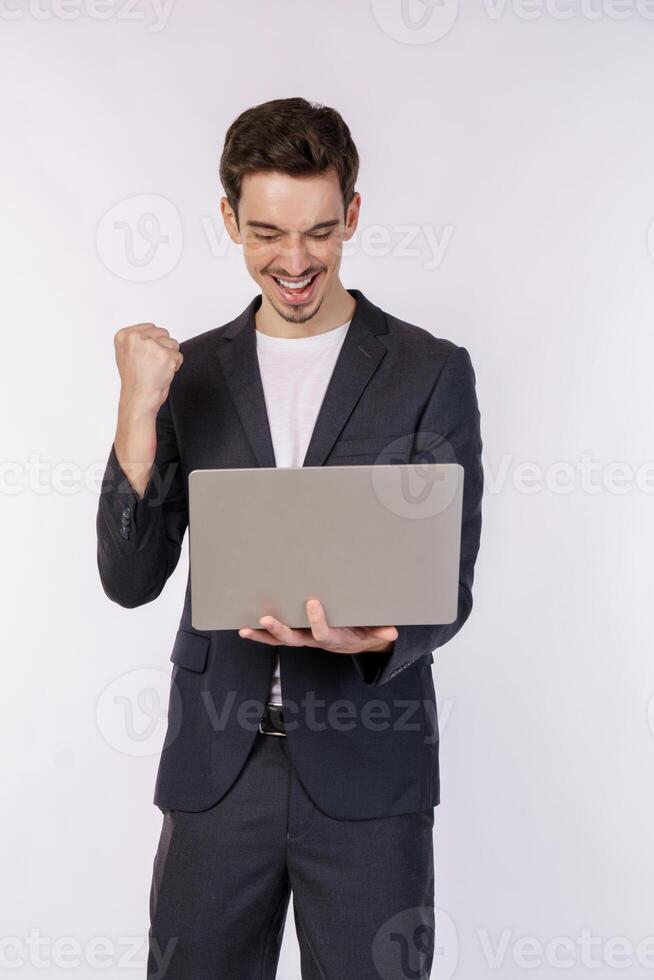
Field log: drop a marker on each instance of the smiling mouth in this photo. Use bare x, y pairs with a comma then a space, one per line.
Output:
296, 290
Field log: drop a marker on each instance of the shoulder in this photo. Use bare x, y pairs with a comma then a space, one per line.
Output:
422, 340
425, 351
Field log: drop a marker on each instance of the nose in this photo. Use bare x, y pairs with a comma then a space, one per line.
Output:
294, 257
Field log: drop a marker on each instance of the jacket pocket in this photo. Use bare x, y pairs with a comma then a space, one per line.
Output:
190, 650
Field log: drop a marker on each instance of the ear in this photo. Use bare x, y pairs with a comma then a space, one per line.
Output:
352, 216
230, 221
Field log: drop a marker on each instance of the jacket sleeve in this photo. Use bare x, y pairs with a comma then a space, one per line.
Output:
448, 432
139, 539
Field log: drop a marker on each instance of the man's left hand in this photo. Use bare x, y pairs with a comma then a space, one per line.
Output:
335, 639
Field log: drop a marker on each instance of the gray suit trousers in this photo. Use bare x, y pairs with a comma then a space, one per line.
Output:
363, 890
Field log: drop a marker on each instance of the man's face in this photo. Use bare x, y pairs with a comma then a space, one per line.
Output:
292, 230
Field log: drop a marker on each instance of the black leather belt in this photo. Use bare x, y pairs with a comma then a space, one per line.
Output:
272, 722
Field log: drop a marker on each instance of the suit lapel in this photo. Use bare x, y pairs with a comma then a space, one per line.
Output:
358, 360
238, 358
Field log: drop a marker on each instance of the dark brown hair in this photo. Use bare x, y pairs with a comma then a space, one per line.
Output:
291, 136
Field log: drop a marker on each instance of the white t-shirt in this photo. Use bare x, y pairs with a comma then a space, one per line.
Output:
295, 373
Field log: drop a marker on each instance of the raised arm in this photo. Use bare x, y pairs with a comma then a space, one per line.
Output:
142, 512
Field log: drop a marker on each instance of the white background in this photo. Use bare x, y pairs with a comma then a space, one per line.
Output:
522, 139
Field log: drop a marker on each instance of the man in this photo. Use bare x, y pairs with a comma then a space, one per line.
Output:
295, 759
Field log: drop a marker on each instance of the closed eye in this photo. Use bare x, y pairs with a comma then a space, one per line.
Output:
273, 238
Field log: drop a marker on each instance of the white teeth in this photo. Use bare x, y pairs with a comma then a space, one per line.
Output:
294, 285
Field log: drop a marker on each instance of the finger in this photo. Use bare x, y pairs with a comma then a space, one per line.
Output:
146, 326
289, 637
384, 632
171, 344
146, 330
167, 342
320, 630
260, 636
132, 336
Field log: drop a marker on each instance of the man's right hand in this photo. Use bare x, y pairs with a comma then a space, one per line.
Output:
148, 359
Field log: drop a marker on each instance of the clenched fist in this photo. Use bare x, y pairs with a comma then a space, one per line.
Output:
147, 359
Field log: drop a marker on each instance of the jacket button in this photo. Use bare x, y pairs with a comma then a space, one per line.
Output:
127, 512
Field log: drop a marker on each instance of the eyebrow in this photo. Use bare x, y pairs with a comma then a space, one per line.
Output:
318, 227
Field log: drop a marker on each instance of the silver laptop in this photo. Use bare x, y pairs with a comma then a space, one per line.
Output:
378, 545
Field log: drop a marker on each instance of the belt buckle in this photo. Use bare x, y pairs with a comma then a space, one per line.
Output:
269, 731
266, 731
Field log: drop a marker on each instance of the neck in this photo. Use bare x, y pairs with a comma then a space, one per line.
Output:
336, 308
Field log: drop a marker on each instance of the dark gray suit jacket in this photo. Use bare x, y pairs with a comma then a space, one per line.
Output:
363, 730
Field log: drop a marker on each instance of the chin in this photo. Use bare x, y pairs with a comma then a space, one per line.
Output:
297, 314
292, 313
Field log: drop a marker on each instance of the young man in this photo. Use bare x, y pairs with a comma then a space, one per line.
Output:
295, 759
